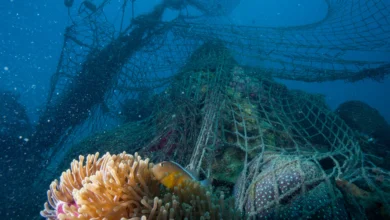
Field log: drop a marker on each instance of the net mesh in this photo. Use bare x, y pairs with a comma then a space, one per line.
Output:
202, 93
282, 149
315, 52
284, 152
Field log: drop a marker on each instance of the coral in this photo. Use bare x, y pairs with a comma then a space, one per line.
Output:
288, 188
123, 187
317, 203
365, 119
371, 130
228, 164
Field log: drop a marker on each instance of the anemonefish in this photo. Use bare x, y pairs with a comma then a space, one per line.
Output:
171, 174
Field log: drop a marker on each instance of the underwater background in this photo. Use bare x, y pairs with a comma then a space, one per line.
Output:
32, 46
33, 33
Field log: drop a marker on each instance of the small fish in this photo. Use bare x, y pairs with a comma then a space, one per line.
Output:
171, 174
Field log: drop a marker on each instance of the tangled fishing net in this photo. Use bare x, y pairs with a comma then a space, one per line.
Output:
283, 153
201, 92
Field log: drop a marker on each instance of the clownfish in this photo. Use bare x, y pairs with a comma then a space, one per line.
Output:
172, 174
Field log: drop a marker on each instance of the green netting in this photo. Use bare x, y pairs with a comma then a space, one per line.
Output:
325, 50
280, 153
321, 51
211, 104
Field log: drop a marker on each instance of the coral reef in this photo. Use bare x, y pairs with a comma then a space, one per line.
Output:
123, 187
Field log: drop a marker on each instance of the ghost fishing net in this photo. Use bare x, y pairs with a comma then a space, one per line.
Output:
283, 153
280, 153
322, 51
99, 61
202, 93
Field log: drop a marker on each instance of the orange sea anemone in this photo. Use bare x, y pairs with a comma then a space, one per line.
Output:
123, 187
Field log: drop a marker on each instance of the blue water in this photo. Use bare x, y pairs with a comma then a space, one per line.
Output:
32, 35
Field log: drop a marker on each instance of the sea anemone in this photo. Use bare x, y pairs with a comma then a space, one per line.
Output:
123, 187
